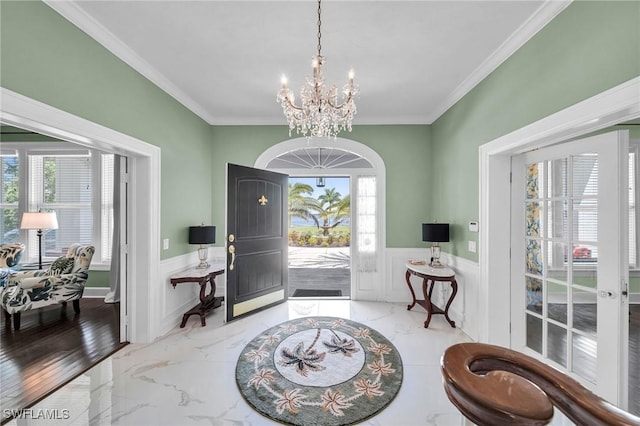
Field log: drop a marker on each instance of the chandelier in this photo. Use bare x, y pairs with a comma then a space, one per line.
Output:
320, 113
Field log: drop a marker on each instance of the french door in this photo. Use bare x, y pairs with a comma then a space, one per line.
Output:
569, 260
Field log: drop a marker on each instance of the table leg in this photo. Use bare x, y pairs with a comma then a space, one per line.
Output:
431, 288
207, 301
185, 317
427, 300
454, 287
413, 294
203, 289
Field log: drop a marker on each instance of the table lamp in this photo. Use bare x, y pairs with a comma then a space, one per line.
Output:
39, 221
202, 235
435, 233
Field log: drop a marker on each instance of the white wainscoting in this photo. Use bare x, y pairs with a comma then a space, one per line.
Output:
464, 310
175, 302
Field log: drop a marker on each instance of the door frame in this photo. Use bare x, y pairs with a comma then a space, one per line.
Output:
144, 198
603, 110
606, 109
334, 173
364, 285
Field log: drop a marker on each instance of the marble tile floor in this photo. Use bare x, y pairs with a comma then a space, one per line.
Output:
187, 377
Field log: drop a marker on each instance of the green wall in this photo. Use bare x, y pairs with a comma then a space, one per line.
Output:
98, 279
432, 171
45, 57
590, 47
405, 150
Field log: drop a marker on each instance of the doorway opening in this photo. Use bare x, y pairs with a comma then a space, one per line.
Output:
319, 237
339, 157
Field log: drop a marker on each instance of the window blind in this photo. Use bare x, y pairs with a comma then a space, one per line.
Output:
61, 183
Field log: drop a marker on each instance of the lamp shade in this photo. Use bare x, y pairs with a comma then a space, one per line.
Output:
435, 232
39, 220
202, 234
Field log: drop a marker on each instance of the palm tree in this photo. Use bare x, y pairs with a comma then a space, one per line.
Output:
300, 201
331, 209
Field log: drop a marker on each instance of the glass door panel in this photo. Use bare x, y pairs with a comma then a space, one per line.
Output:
571, 241
557, 344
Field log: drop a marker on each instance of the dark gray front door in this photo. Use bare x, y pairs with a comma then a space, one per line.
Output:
256, 240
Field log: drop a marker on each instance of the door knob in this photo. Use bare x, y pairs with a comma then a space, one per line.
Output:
232, 251
607, 294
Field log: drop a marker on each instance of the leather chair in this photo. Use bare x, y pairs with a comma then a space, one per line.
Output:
64, 281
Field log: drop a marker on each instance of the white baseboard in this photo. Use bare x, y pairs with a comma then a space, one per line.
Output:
95, 292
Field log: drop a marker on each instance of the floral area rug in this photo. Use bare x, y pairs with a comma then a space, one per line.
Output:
319, 371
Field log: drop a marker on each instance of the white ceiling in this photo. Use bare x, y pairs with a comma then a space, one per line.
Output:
223, 59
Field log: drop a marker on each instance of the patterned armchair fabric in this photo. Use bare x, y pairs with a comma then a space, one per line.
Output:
64, 281
10, 255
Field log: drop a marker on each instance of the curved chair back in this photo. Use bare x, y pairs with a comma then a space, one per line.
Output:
82, 256
493, 385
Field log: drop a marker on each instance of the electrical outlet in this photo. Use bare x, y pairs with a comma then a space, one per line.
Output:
165, 244
472, 246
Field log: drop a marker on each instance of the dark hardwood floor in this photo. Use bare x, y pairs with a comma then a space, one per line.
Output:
585, 320
52, 347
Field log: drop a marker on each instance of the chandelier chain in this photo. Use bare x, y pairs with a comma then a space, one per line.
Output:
323, 110
319, 25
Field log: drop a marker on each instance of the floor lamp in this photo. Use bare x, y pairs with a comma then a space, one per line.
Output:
39, 221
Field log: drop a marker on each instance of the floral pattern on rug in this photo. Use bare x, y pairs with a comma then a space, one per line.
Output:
319, 371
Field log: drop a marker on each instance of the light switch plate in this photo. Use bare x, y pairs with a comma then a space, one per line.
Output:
165, 244
472, 246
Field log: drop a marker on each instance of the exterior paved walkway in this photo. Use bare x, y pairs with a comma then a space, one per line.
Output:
319, 257
320, 268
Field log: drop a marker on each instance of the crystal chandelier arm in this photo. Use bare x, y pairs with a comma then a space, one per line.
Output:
342, 105
352, 90
292, 105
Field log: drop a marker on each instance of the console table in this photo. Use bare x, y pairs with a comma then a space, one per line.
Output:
429, 276
209, 301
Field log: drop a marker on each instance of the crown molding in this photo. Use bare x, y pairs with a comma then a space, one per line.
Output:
536, 22
85, 22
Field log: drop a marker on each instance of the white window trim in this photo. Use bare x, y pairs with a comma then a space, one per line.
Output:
24, 150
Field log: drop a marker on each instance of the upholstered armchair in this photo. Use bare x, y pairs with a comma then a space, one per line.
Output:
10, 255
64, 281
